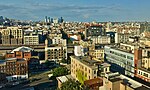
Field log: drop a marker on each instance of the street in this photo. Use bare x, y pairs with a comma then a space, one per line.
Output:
39, 81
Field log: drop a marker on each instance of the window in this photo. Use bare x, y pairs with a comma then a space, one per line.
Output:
106, 69
94, 72
85, 69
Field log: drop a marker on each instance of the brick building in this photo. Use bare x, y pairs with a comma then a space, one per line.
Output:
20, 52
14, 68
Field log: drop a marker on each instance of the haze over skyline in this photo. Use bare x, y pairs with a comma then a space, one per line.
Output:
77, 10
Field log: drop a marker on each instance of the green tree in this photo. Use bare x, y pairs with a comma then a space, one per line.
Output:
49, 64
71, 85
81, 77
64, 60
60, 71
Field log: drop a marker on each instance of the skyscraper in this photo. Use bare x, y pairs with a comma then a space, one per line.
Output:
46, 19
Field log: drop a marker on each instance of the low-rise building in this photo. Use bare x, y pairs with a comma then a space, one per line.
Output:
143, 74
63, 79
97, 53
55, 53
84, 68
122, 37
115, 81
93, 84
20, 52
31, 39
14, 68
100, 39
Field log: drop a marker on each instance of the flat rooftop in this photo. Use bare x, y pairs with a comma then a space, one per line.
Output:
87, 61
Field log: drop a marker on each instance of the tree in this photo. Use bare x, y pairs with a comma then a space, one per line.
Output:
81, 77
64, 60
49, 64
71, 85
60, 71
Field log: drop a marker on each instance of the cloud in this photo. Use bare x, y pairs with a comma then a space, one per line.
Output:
37, 11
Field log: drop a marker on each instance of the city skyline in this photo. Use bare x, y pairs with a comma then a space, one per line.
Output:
85, 10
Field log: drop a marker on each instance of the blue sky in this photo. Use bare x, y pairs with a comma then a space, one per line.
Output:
77, 10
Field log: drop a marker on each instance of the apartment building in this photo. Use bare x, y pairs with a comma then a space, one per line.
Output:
14, 68
55, 52
59, 40
12, 35
16, 35
6, 36
31, 39
83, 68
125, 58
97, 53
100, 39
122, 37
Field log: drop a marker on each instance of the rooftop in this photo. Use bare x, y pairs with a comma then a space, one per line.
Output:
105, 65
7, 59
142, 88
64, 78
94, 81
115, 79
87, 61
22, 49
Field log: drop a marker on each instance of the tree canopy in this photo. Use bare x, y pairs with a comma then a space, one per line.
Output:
71, 85
60, 71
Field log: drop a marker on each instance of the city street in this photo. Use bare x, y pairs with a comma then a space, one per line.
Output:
38, 81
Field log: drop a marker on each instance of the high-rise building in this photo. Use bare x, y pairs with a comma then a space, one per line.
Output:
46, 20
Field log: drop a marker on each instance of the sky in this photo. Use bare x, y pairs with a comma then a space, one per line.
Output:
77, 10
